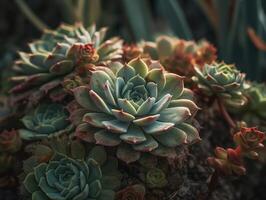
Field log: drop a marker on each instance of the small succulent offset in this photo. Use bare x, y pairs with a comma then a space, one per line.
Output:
57, 54
179, 56
138, 108
230, 161
132, 192
249, 140
131, 51
220, 79
227, 161
71, 173
156, 178
47, 120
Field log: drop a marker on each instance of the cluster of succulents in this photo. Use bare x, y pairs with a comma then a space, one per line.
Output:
66, 51
230, 161
180, 56
85, 108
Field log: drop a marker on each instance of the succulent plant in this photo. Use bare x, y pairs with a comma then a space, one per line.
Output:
180, 56
249, 140
65, 178
227, 161
132, 192
131, 51
220, 79
47, 120
256, 94
57, 54
63, 168
139, 109
156, 178
230, 161
10, 141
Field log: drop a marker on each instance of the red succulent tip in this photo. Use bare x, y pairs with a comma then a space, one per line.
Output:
249, 139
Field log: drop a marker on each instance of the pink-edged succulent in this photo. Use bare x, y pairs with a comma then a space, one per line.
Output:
137, 108
59, 54
250, 140
230, 161
227, 161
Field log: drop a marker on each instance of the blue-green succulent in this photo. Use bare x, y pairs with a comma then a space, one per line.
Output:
63, 177
47, 120
139, 108
220, 79
58, 54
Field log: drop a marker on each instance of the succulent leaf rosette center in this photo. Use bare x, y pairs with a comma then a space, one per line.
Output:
146, 109
83, 53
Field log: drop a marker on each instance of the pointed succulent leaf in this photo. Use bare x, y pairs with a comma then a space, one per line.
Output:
139, 66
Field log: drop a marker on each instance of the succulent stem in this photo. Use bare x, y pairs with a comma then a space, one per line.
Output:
225, 114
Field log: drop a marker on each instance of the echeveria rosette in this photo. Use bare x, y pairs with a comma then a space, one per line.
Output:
220, 79
138, 109
250, 140
47, 120
56, 55
65, 178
